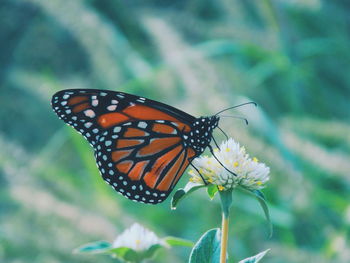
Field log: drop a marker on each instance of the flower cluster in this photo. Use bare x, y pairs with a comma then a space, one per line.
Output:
137, 238
236, 168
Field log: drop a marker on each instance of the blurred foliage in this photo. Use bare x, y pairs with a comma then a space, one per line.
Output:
290, 56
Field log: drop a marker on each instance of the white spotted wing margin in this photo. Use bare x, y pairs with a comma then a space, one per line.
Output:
79, 109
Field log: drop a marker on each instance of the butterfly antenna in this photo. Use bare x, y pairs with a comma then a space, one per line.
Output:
236, 117
223, 133
239, 105
212, 152
199, 173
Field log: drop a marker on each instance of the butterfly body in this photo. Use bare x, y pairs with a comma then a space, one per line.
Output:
142, 147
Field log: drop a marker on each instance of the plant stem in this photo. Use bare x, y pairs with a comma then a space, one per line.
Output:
226, 202
224, 238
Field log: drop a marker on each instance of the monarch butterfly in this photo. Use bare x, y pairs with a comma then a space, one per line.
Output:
142, 147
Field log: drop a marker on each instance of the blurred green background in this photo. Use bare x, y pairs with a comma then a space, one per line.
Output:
290, 56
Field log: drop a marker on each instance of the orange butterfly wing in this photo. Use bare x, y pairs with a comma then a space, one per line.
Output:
139, 148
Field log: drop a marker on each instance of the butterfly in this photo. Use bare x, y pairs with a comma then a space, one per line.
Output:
142, 147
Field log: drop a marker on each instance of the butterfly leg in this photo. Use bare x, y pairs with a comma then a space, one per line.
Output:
223, 133
216, 144
199, 174
212, 152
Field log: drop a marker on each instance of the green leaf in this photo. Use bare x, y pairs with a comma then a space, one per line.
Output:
122, 253
174, 241
183, 192
212, 190
226, 201
262, 201
94, 247
125, 253
255, 258
151, 251
131, 255
207, 249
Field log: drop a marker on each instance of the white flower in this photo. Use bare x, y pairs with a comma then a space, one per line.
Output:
249, 172
137, 237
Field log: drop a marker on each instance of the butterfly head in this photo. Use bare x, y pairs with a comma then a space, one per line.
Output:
201, 133
213, 121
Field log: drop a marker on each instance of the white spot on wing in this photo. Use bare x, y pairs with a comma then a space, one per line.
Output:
94, 103
112, 107
90, 113
117, 129
88, 124
142, 124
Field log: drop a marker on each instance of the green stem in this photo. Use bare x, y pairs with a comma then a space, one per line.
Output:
224, 238
226, 202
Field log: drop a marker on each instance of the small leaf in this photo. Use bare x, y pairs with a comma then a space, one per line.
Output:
262, 201
131, 255
122, 253
207, 249
94, 247
174, 241
183, 192
151, 251
212, 190
255, 258
125, 253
